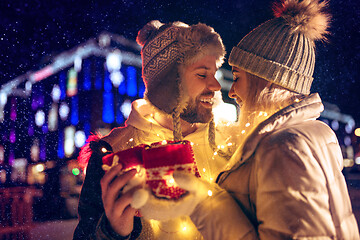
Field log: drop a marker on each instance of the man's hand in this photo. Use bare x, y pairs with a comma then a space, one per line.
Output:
116, 204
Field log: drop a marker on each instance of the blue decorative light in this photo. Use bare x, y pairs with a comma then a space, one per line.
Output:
87, 75
74, 110
107, 82
131, 81
62, 85
87, 128
108, 107
119, 116
98, 76
61, 153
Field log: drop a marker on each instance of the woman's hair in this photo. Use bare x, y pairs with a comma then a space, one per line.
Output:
263, 99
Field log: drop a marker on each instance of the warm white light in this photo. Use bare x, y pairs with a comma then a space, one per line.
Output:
113, 61
215, 153
69, 144
131, 139
126, 108
39, 167
40, 118
229, 144
104, 150
64, 111
210, 193
80, 138
243, 131
357, 132
247, 124
77, 63
225, 112
357, 160
3, 98
53, 117
28, 86
164, 142
204, 170
55, 93
35, 150
116, 78
348, 162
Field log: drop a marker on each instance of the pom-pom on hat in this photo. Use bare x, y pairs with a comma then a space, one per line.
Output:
282, 50
165, 47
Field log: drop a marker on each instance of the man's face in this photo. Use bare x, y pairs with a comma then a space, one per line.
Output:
200, 84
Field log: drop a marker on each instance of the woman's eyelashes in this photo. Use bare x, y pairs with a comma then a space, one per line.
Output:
201, 75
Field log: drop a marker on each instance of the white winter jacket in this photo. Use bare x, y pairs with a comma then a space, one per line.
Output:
287, 179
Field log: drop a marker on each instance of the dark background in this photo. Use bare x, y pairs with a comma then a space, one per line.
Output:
31, 32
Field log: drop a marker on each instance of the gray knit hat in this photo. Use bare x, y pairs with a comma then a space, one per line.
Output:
282, 50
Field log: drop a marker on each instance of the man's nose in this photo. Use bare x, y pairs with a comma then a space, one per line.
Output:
213, 84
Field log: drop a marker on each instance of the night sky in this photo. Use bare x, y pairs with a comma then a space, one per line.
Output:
34, 31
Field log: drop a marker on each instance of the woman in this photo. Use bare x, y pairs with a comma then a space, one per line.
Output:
286, 175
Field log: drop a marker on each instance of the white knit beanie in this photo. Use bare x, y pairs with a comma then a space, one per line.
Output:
282, 50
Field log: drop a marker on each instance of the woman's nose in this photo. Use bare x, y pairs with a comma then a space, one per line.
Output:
232, 92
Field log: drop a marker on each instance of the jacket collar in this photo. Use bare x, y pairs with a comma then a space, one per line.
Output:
307, 109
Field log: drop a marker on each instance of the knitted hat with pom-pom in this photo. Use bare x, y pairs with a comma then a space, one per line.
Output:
282, 50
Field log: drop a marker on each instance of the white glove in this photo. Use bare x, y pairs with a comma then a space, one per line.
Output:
166, 209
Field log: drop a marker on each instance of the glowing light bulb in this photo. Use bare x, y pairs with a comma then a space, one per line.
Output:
297, 100
131, 139
210, 193
229, 144
39, 167
243, 131
357, 132
204, 170
215, 153
104, 150
247, 124
164, 142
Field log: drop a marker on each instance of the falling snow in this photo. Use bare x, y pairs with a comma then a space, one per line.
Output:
31, 32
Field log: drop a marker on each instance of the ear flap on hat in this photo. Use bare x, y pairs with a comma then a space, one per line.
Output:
165, 94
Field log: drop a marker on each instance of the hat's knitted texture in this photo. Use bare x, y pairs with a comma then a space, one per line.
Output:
282, 50
160, 53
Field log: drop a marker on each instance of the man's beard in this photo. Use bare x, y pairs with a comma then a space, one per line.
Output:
195, 113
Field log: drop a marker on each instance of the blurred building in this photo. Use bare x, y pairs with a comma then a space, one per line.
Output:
46, 117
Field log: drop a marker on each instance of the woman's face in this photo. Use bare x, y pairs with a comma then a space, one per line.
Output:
239, 88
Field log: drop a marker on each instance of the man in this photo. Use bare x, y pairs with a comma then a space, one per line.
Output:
179, 65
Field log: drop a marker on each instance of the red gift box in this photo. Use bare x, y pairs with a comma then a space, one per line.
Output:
160, 160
